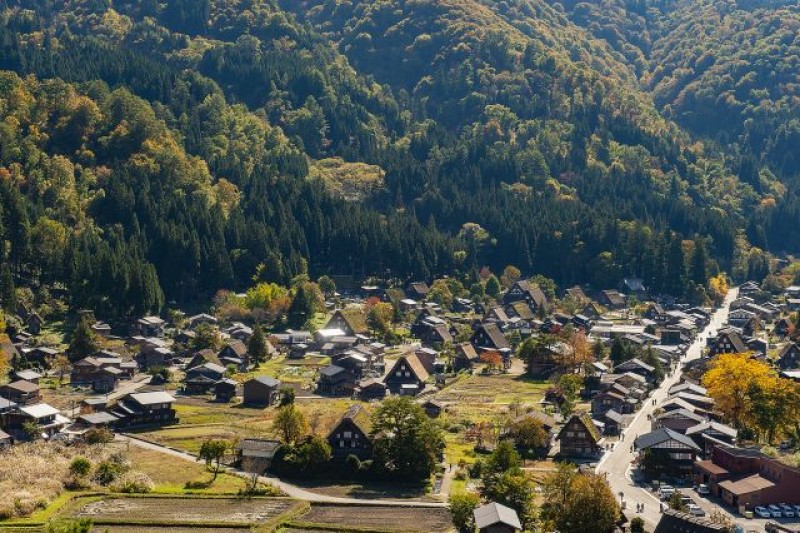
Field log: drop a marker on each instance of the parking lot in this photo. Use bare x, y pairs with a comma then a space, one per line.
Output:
713, 507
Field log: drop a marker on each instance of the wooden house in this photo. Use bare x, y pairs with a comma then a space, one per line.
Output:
408, 376
20, 392
529, 293
255, 455
789, 356
352, 321
579, 438
489, 336
225, 390
673, 453
261, 390
336, 381
144, 409
351, 434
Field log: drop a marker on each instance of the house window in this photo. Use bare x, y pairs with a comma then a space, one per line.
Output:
348, 434
341, 444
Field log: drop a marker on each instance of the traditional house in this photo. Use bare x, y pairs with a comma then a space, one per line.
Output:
102, 375
202, 357
200, 379
637, 366
20, 392
261, 390
6, 440
408, 376
203, 318
727, 341
34, 323
496, 518
336, 381
255, 455
678, 420
465, 356
47, 419
149, 326
145, 408
371, 389
351, 435
235, 353
96, 420
436, 336
225, 390
784, 326
417, 290
610, 401
6, 406
530, 294
26, 375
579, 438
41, 355
789, 357
614, 422
612, 299
489, 336
352, 321
667, 452
708, 434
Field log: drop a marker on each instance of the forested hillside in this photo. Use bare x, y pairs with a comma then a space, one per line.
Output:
726, 71
154, 151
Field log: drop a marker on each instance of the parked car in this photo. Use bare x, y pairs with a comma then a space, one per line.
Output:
762, 512
695, 510
665, 492
774, 510
703, 489
787, 510
797, 510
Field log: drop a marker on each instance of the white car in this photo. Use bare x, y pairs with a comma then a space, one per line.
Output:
762, 512
774, 510
797, 510
695, 510
703, 489
787, 510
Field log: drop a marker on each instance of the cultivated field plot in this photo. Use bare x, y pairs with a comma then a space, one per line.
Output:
175, 529
184, 510
478, 396
386, 518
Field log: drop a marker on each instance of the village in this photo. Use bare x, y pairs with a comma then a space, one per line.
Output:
611, 381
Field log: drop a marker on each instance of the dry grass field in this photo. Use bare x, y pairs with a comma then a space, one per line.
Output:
38, 474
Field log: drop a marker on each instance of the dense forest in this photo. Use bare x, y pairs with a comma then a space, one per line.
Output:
157, 151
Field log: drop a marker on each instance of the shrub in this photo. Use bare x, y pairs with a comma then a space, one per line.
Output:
637, 524
133, 483
80, 467
98, 436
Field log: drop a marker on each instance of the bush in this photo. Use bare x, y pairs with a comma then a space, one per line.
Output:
98, 436
111, 469
133, 483
80, 467
637, 525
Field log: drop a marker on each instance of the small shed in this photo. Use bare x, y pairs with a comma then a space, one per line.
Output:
496, 518
262, 390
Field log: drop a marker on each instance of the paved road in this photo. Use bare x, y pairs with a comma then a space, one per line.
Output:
616, 464
291, 490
